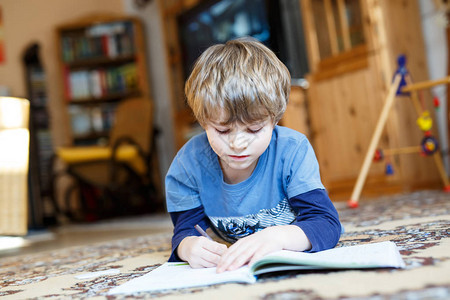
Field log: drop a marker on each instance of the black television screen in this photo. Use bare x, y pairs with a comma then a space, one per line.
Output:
217, 21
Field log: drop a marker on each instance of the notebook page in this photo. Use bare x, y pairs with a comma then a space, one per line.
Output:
180, 275
383, 254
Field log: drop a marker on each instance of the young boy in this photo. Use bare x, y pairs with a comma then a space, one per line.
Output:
254, 183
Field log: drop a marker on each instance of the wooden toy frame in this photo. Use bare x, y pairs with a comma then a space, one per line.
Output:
408, 88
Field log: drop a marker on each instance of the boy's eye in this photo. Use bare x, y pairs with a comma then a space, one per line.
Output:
254, 130
222, 131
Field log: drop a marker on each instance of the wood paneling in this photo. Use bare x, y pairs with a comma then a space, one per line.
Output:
296, 115
344, 105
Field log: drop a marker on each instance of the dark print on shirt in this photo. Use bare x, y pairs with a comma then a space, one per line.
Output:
234, 228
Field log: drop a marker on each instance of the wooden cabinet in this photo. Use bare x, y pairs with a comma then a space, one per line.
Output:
296, 115
102, 62
353, 57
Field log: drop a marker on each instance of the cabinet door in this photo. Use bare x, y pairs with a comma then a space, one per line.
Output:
296, 115
344, 96
352, 63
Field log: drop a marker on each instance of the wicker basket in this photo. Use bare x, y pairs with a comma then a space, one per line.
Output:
14, 148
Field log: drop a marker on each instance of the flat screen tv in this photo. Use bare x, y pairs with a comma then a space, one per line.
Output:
217, 21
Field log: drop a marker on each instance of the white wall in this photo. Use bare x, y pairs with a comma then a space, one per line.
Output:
434, 32
158, 75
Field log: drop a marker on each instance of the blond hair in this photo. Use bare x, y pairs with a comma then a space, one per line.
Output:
243, 79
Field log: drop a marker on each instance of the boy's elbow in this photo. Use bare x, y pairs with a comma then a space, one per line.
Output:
323, 234
331, 234
335, 228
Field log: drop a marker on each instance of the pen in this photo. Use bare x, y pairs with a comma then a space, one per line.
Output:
202, 232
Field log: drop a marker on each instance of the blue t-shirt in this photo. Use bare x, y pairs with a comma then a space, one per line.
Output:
286, 169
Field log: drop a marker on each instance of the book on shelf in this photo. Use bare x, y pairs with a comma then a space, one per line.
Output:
97, 119
181, 275
96, 83
109, 40
91, 120
100, 82
80, 120
79, 84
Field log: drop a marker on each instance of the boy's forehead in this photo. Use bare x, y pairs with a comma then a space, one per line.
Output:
218, 122
226, 122
222, 117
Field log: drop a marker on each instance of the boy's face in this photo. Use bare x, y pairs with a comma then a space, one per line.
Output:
239, 146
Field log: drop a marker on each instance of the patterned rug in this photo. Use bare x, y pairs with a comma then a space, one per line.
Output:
419, 223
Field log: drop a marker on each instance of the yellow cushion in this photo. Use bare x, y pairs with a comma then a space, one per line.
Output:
125, 153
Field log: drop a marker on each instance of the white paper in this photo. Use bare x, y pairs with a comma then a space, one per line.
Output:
374, 255
180, 275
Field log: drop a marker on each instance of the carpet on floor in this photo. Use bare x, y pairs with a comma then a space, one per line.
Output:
418, 223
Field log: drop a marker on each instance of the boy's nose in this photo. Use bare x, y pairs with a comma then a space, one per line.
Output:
238, 141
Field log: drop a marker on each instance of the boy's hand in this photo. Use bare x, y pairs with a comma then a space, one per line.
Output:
200, 252
257, 245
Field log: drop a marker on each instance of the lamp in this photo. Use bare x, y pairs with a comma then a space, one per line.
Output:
14, 150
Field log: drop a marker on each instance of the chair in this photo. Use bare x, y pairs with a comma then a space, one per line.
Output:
115, 179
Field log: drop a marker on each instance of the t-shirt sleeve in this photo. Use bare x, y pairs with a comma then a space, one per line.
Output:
184, 222
318, 218
181, 188
301, 169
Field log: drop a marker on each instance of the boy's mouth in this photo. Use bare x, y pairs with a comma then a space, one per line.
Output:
238, 157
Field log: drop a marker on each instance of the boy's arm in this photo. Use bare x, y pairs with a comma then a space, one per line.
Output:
184, 222
188, 244
316, 228
318, 218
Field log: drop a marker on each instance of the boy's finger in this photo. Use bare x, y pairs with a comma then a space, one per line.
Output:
212, 253
255, 257
239, 261
230, 258
214, 246
201, 262
210, 259
220, 248
224, 262
207, 264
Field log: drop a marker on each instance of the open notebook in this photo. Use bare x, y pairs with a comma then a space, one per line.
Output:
181, 275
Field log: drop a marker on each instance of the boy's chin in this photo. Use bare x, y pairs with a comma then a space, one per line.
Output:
240, 165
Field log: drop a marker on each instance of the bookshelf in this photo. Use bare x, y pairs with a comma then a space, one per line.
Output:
103, 62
